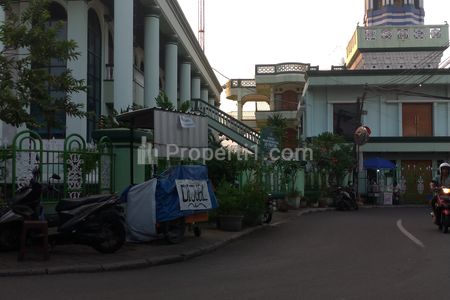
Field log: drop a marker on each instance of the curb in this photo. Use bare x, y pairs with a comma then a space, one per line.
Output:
396, 206
146, 262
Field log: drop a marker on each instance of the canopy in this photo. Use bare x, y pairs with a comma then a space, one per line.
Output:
378, 163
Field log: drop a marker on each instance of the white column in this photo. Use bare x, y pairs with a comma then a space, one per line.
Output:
204, 94
151, 59
195, 88
171, 72
330, 111
185, 82
212, 101
448, 119
77, 30
240, 107
436, 128
123, 54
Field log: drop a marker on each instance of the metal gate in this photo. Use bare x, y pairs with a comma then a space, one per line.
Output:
84, 168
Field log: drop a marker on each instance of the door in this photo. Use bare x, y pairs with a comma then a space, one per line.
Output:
417, 119
414, 183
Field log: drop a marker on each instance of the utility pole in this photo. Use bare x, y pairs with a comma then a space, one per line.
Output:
359, 112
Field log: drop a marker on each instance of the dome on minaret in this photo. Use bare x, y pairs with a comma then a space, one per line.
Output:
394, 12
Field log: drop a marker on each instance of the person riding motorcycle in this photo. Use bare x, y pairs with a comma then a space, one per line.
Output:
442, 180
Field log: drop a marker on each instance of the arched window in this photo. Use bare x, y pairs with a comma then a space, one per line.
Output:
417, 4
94, 75
56, 66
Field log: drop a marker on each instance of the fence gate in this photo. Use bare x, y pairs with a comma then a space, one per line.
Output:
84, 169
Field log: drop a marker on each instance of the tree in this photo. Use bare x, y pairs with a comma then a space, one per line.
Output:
25, 80
332, 155
279, 123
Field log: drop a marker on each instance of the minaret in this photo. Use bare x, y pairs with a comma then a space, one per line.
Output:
394, 13
394, 37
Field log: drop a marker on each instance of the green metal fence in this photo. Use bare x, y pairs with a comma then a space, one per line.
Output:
84, 169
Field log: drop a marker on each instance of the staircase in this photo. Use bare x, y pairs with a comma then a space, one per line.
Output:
232, 128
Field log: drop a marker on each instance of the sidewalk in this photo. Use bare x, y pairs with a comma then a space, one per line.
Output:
80, 258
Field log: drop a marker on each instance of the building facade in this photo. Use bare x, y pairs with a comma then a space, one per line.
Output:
279, 87
392, 67
129, 52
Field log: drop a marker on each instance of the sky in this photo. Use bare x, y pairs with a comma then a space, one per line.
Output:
240, 34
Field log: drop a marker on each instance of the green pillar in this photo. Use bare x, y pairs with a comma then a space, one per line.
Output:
122, 142
300, 182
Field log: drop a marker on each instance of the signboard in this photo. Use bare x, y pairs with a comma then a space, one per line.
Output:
187, 122
268, 140
387, 198
193, 194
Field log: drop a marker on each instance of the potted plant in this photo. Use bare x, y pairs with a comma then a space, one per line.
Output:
230, 212
294, 199
253, 203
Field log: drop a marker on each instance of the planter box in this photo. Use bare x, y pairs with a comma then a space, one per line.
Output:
230, 223
294, 202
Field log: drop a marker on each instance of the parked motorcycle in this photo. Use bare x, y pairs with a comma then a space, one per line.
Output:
271, 206
96, 221
441, 213
24, 206
346, 198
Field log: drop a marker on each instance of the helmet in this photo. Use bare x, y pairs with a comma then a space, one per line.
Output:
444, 165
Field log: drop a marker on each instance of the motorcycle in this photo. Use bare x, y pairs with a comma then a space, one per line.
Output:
346, 198
24, 206
96, 221
441, 211
271, 206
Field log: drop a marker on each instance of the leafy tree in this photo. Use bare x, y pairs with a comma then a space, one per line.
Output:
222, 170
110, 121
279, 123
332, 155
25, 80
162, 101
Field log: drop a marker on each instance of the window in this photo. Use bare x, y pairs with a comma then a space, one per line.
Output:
286, 101
94, 72
417, 119
345, 119
417, 4
377, 4
55, 67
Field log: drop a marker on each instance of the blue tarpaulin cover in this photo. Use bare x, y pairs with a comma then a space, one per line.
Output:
167, 202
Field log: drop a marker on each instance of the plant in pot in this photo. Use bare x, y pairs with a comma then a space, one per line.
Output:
230, 212
253, 203
294, 198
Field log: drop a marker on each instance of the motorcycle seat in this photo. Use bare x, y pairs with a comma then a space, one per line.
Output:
69, 204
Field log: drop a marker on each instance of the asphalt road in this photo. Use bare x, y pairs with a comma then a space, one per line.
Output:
369, 254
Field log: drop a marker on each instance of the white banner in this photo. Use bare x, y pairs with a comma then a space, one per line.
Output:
187, 122
193, 194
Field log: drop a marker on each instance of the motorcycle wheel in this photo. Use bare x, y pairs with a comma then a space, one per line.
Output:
111, 234
174, 231
9, 237
267, 217
197, 231
444, 223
